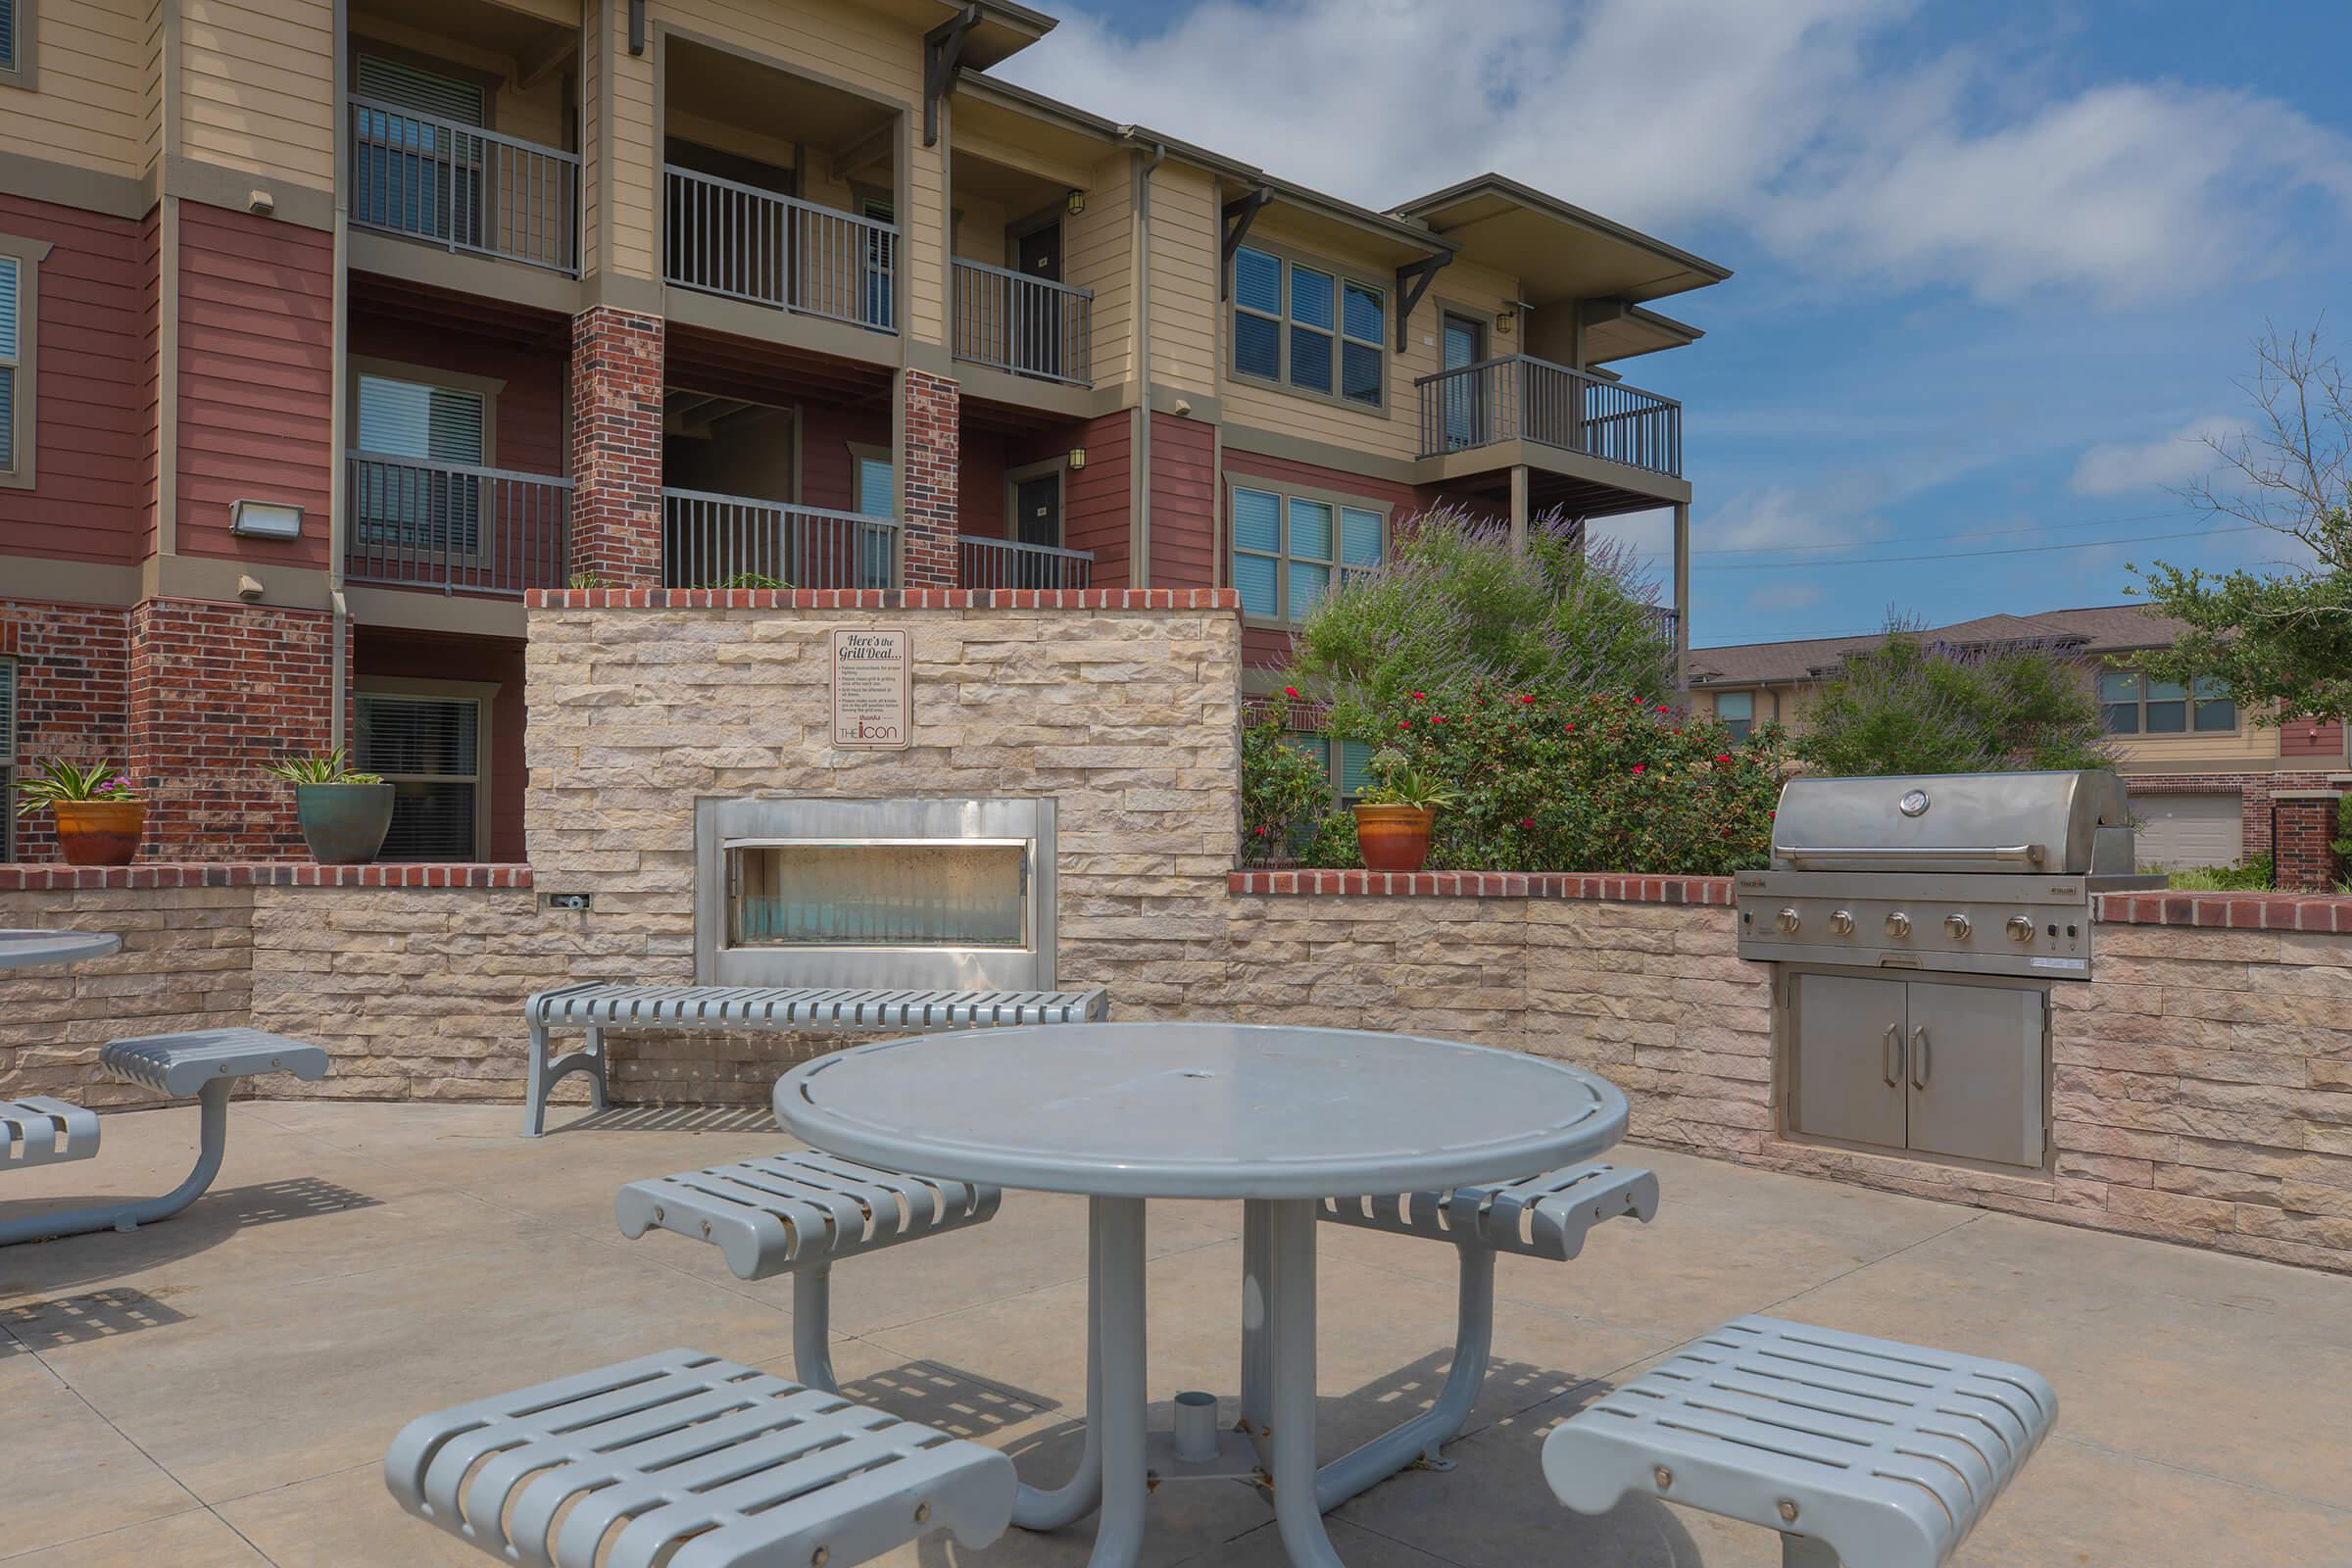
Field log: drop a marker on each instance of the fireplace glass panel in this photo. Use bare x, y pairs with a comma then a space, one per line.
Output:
944, 894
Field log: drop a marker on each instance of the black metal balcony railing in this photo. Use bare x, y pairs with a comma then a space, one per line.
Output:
1011, 564
464, 187
1520, 399
749, 244
1028, 325
715, 541
454, 527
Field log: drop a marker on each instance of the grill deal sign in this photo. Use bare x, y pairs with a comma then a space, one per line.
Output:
873, 689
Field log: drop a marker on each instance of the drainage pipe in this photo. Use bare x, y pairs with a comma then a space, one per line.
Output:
1138, 570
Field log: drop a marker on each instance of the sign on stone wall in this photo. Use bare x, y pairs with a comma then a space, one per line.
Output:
873, 689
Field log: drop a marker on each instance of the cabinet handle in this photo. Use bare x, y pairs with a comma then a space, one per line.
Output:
1919, 1057
1893, 1068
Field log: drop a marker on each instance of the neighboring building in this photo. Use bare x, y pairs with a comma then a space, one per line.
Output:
2202, 777
329, 328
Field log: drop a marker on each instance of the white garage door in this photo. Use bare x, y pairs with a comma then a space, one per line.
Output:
2180, 830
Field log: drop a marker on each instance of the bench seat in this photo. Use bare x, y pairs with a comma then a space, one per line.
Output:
40, 1131
1539, 1217
1866, 1451
681, 1458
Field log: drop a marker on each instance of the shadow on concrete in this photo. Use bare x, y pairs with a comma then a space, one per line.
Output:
36, 1326
224, 1211
671, 1119
955, 1401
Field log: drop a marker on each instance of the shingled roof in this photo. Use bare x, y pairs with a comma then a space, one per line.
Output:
2096, 630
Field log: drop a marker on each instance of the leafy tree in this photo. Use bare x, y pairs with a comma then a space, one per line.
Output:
1910, 706
2280, 636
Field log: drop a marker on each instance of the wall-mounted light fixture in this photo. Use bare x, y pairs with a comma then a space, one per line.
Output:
1505, 321
1077, 202
1077, 457
265, 520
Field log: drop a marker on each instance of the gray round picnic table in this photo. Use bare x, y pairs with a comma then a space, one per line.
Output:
1279, 1117
21, 950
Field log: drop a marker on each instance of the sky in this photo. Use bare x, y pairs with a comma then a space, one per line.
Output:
1999, 264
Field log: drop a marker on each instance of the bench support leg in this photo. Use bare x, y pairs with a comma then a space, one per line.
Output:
812, 1327
1420, 1437
1036, 1508
1803, 1551
212, 1109
543, 1073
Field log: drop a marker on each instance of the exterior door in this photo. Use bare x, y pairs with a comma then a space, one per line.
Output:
1974, 1071
1037, 521
876, 498
1848, 1058
1466, 407
1039, 321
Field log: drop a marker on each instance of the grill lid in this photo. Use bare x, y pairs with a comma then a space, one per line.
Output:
2028, 824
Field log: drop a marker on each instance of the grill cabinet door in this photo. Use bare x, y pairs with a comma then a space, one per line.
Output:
1848, 1059
1976, 1072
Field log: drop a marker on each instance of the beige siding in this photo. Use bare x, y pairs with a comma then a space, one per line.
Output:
980, 231
151, 85
636, 149
89, 107
1184, 277
257, 88
2256, 746
593, 44
1098, 252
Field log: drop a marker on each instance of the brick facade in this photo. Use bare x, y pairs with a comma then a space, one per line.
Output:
2255, 792
216, 690
71, 684
617, 446
929, 488
2303, 824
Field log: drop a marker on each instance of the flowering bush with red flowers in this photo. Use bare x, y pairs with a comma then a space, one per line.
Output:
1603, 783
1285, 789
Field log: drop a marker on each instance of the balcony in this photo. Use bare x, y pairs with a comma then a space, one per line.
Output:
453, 527
1520, 399
737, 240
1011, 564
1028, 325
719, 541
459, 186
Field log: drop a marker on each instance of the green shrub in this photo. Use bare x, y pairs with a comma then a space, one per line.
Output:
2255, 876
1284, 790
1909, 705
1333, 845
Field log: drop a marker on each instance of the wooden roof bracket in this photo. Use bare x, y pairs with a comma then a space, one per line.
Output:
942, 53
1239, 214
1411, 283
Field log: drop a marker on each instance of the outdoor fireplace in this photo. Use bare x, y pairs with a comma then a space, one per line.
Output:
946, 895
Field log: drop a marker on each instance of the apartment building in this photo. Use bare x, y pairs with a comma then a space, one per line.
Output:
329, 328
2204, 778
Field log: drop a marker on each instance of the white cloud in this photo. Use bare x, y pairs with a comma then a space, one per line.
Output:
1806, 122
1837, 511
2114, 467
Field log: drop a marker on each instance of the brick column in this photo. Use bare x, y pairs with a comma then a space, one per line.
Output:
617, 447
2304, 830
929, 488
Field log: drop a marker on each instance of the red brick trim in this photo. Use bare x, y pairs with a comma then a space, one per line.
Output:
2233, 912
55, 877
883, 598
1705, 890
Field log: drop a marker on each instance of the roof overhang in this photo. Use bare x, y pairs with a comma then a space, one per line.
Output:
1559, 251
1003, 29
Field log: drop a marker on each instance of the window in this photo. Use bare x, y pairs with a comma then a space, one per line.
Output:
432, 751
16, 29
1287, 547
416, 504
417, 169
1738, 711
1309, 329
2134, 704
877, 486
12, 289
20, 379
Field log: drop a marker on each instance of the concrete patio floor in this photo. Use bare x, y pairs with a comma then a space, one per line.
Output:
219, 1390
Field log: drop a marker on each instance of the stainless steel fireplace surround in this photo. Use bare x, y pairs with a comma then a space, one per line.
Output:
952, 894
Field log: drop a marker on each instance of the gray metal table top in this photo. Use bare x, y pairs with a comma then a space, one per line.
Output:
1200, 1109
21, 950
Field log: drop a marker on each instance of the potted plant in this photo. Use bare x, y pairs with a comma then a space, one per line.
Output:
344, 816
1395, 813
99, 816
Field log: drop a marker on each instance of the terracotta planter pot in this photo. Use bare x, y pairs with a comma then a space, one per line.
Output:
344, 824
100, 832
1394, 838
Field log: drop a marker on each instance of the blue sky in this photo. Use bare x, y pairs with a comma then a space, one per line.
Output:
1996, 263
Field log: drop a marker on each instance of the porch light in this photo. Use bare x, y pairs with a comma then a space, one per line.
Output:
265, 520
1077, 457
1505, 321
1077, 202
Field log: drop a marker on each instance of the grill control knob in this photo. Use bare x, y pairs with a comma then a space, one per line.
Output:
2019, 928
1842, 921
1789, 920
1956, 926
1899, 924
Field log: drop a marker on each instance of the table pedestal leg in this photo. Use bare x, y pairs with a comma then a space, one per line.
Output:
1290, 1227
1118, 1409
1036, 1508
1255, 1285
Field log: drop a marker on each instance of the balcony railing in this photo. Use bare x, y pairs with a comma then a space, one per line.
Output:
1011, 564
715, 541
752, 244
453, 527
464, 187
1519, 399
1028, 325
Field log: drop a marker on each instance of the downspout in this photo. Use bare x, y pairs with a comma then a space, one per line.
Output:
339, 403
1139, 571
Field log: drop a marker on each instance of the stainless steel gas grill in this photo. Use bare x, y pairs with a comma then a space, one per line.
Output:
1915, 923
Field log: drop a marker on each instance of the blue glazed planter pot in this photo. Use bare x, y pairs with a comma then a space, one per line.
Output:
344, 824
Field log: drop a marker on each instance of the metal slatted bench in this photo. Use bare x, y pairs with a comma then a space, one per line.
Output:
1864, 1451
1538, 1216
683, 1461
595, 1007
795, 1213
40, 1131
205, 1064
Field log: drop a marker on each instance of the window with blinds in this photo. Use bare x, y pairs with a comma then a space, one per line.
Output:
410, 506
1287, 550
1307, 328
12, 293
8, 34
425, 91
429, 750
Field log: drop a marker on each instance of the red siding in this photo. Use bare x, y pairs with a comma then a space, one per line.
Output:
2304, 737
828, 479
151, 369
426, 657
980, 484
87, 444
256, 380
529, 437
1184, 503
1094, 504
